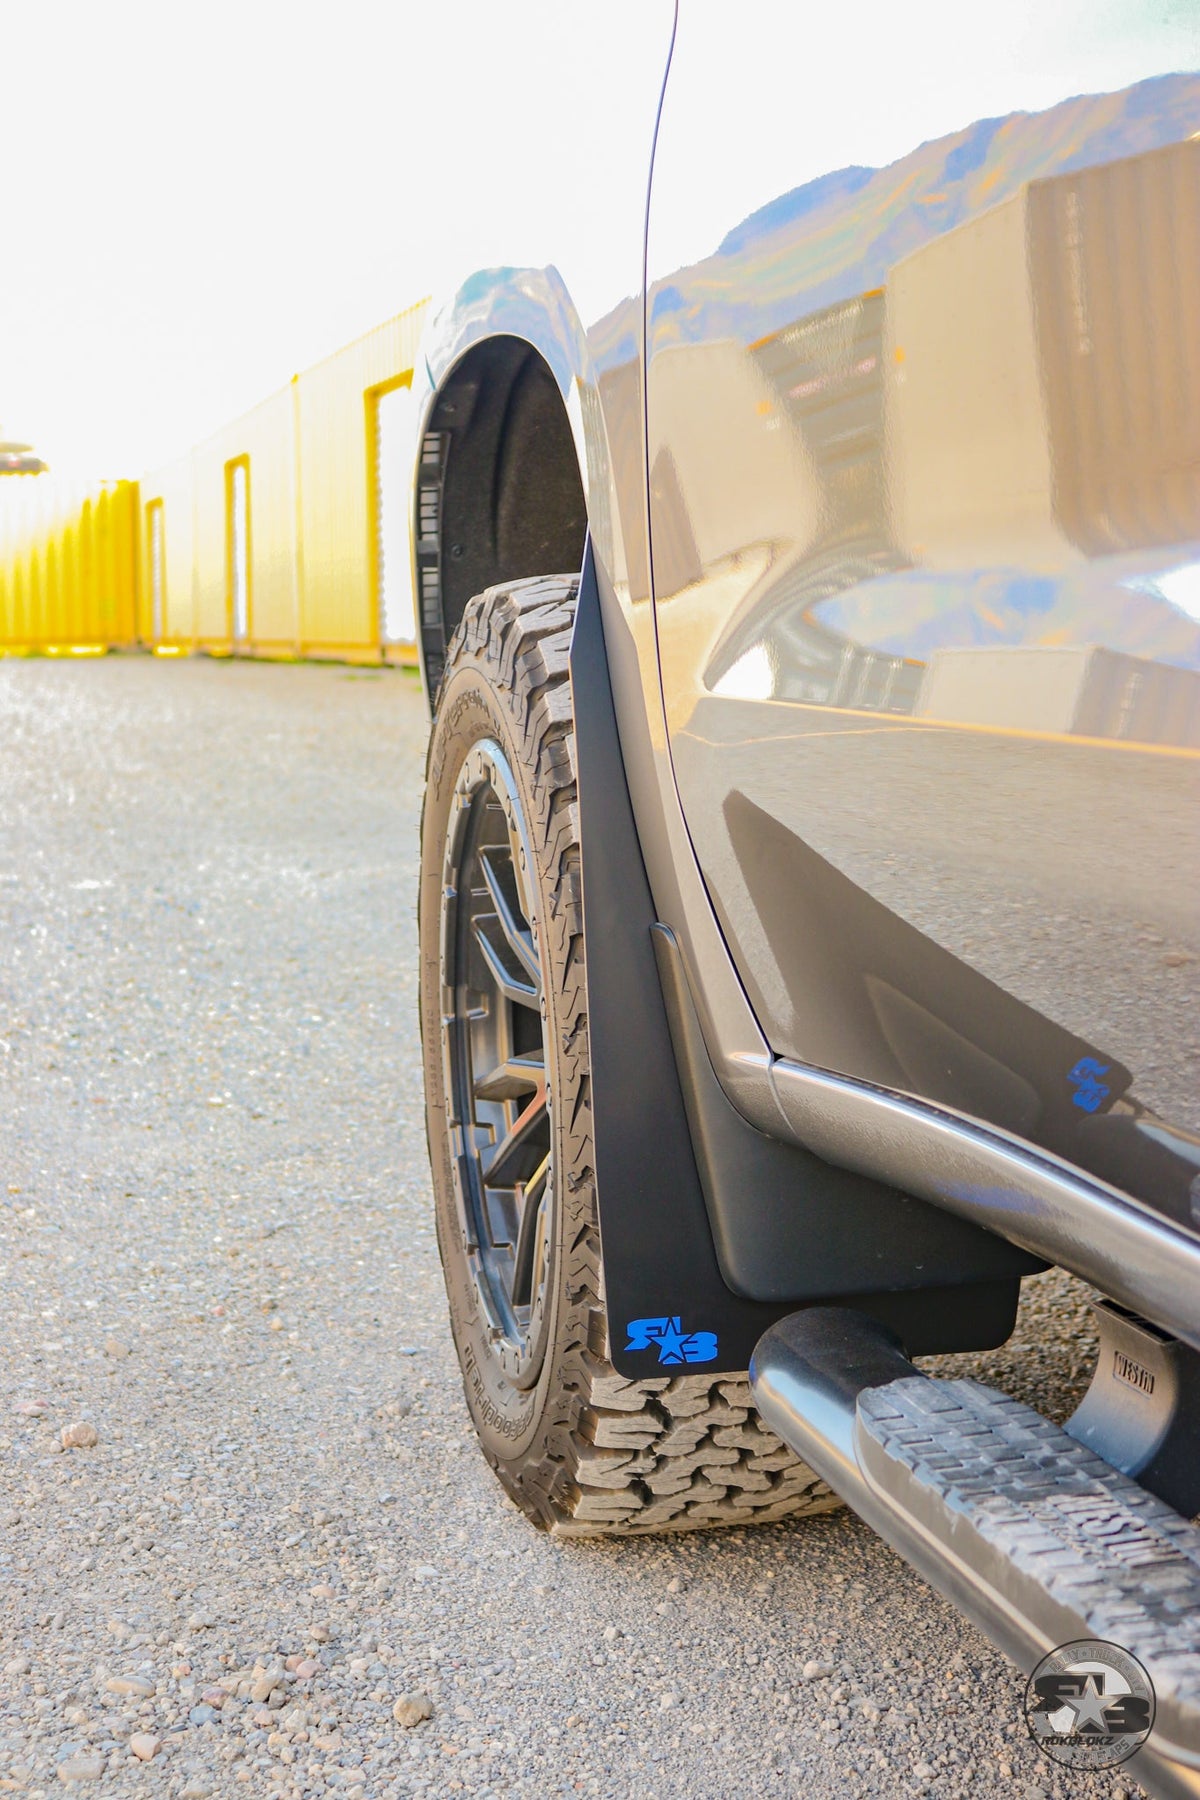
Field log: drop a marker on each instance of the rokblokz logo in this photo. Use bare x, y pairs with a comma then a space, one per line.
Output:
673, 1343
1089, 1704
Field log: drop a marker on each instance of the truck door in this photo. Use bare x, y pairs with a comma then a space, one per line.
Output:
923, 443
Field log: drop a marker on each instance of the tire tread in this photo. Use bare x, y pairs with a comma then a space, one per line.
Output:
615, 1457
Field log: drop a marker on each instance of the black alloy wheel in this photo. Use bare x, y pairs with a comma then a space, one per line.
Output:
504, 1028
496, 1055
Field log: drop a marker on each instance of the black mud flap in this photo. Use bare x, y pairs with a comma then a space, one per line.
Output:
670, 1309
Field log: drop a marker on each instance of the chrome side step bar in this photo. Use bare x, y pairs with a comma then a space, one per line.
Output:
1030, 1534
1146, 1261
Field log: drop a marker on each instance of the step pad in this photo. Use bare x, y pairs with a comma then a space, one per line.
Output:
1113, 1561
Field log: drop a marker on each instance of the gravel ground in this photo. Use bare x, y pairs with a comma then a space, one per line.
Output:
216, 1250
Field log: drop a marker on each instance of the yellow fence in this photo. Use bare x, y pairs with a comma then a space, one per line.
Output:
285, 534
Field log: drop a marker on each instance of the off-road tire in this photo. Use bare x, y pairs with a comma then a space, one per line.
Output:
583, 1451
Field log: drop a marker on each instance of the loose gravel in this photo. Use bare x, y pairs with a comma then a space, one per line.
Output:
271, 1561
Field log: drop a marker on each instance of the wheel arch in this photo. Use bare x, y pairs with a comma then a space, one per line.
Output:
499, 490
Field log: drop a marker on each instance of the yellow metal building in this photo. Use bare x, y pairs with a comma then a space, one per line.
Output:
348, 415
205, 592
68, 565
285, 534
271, 539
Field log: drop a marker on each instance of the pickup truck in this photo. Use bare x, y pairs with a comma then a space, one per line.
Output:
807, 571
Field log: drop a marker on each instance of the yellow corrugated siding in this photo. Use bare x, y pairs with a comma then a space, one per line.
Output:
69, 567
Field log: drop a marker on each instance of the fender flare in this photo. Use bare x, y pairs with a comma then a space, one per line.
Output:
533, 307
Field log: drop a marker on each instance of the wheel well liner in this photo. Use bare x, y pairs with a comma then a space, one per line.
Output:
499, 493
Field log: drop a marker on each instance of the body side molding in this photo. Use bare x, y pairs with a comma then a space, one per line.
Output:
1138, 1256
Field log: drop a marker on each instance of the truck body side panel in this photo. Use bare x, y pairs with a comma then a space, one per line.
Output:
924, 471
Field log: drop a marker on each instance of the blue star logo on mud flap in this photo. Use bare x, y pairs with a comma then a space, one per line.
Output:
674, 1345
1090, 1092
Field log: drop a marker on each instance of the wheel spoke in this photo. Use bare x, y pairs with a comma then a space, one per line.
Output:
511, 1079
518, 1155
498, 872
494, 945
530, 1234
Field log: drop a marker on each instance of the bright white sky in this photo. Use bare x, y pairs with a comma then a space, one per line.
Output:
199, 200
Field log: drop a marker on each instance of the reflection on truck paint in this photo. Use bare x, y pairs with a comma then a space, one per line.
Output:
889, 472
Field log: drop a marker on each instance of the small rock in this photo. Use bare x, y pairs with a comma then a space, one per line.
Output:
145, 1745
307, 1669
80, 1436
816, 1671
134, 1685
201, 1621
261, 1690
411, 1709
666, 1701
322, 1591
319, 1634
923, 1771
81, 1768
611, 1634
19, 1665
31, 1409
674, 1585
115, 1348
215, 1696
196, 1788
1177, 959
202, 1715
424, 1572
